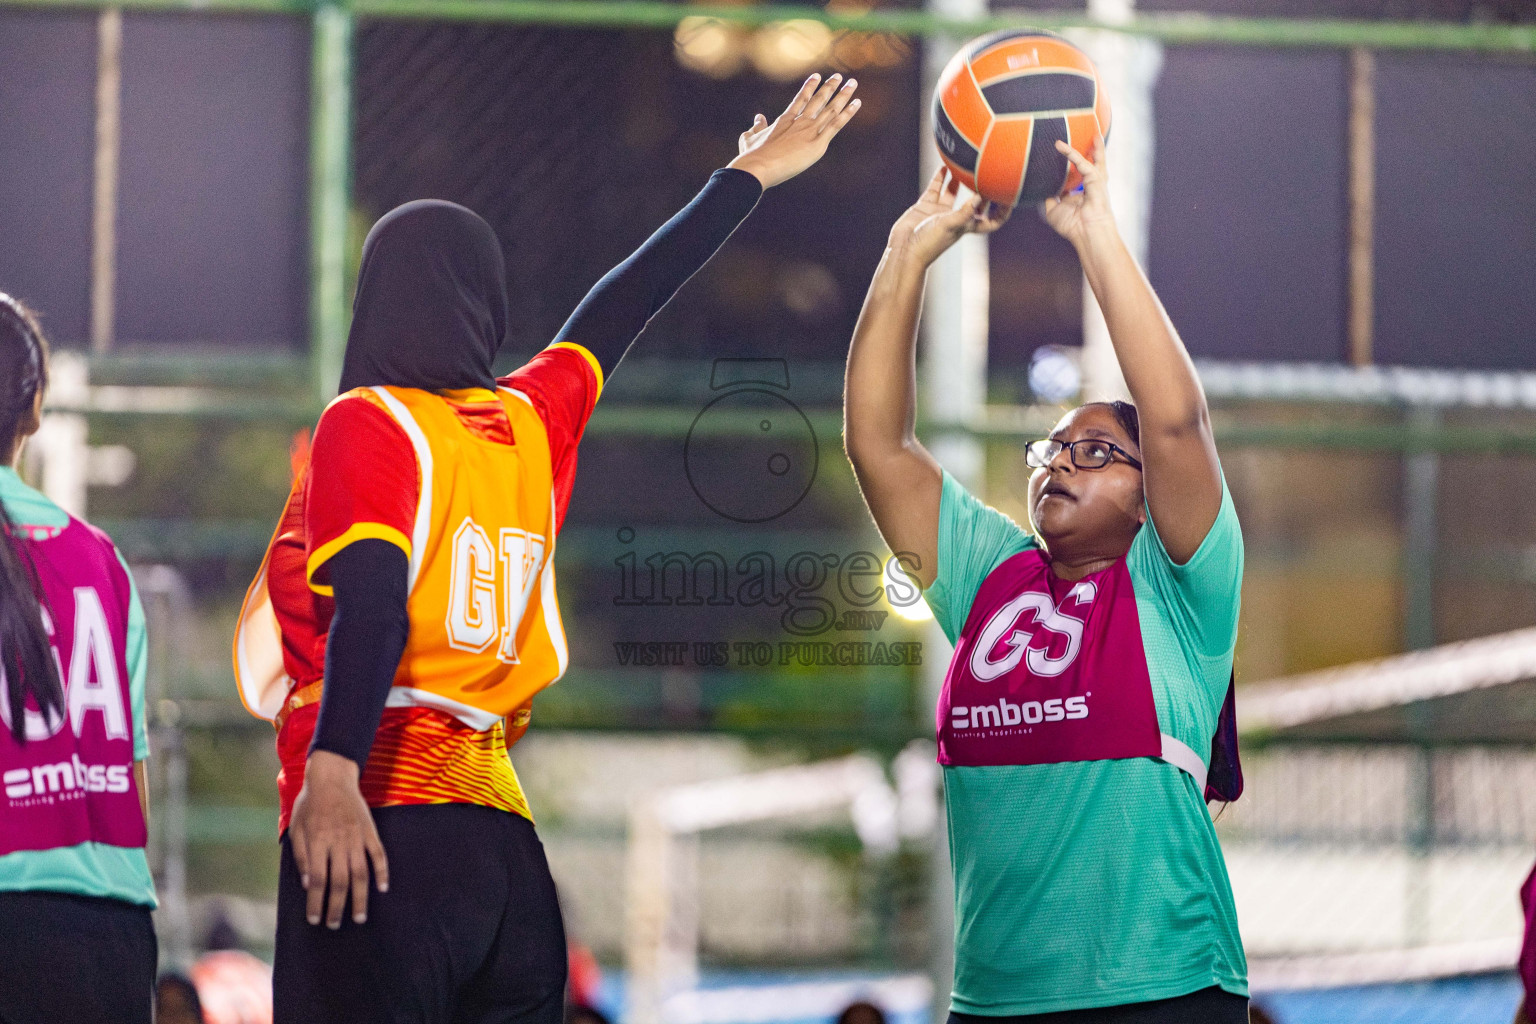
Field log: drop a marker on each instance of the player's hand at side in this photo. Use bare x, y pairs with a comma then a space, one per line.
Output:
776, 152
1078, 214
334, 839
934, 223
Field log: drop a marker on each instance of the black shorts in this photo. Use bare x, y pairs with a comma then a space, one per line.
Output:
82, 959
1207, 1006
469, 932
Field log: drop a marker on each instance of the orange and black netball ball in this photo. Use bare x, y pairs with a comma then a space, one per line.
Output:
1004, 101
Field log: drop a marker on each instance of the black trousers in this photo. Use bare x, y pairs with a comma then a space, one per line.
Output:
81, 959
1207, 1006
469, 932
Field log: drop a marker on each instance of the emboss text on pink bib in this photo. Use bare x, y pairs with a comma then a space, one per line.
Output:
1048, 670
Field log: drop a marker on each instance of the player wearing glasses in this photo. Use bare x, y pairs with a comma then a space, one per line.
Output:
1093, 654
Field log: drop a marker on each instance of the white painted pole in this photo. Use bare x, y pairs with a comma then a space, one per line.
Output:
109, 92
58, 453
647, 911
1128, 67
953, 391
662, 908
953, 384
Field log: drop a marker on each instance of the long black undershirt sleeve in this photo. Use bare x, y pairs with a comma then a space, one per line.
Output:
369, 630
619, 306
362, 652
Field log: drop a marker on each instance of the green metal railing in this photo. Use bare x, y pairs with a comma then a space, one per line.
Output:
1173, 28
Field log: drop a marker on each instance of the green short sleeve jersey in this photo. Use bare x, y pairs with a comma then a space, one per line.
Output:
1096, 883
86, 869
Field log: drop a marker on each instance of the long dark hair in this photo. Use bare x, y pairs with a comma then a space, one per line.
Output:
30, 669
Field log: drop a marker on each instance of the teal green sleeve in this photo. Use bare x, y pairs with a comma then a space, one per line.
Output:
138, 658
1202, 596
974, 539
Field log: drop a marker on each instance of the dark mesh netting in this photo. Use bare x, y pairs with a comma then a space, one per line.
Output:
576, 144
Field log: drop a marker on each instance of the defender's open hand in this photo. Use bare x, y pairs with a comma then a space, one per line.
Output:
776, 152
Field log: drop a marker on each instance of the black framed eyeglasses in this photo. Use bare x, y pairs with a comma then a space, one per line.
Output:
1087, 453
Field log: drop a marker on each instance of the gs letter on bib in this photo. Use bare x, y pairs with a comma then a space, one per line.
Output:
1048, 670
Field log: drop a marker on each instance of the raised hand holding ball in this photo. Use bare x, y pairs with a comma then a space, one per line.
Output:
1001, 105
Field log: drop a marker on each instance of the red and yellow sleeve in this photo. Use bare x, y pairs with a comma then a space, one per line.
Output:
563, 382
363, 484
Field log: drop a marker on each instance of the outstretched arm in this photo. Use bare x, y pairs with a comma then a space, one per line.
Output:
900, 480
1178, 449
617, 309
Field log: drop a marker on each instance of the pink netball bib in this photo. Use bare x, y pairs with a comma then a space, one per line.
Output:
1049, 670
1527, 962
72, 781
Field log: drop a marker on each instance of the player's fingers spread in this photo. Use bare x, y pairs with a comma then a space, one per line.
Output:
935, 187
314, 898
380, 860
957, 219
300, 849
981, 214
1083, 164
823, 97
803, 97
357, 865
845, 115
840, 99
337, 862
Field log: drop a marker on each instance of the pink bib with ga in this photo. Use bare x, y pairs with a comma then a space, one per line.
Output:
1048, 670
72, 781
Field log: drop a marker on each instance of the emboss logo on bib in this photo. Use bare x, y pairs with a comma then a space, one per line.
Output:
73, 775
1036, 656
1029, 712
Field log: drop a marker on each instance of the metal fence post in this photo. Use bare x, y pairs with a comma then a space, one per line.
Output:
1421, 484
330, 179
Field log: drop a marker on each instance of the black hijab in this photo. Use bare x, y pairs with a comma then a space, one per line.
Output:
431, 306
